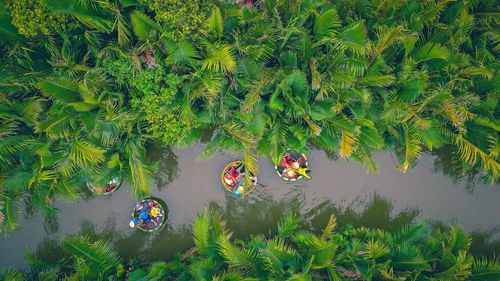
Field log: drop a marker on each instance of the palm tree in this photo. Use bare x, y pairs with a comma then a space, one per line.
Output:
334, 254
62, 119
351, 79
82, 259
9, 274
290, 253
349, 88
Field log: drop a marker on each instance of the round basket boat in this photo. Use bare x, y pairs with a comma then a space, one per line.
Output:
293, 166
153, 210
111, 186
232, 178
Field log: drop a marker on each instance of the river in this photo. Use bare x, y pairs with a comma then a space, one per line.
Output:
387, 199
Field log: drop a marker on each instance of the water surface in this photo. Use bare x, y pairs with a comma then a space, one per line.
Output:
387, 199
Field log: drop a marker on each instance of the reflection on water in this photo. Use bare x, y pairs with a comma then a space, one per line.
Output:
377, 213
484, 243
168, 168
388, 200
245, 218
448, 162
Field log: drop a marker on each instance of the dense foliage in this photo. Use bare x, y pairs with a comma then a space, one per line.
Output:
86, 86
412, 253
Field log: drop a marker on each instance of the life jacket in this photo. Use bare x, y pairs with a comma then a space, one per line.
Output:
234, 173
143, 217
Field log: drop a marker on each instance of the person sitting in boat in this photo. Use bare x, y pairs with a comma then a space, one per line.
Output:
234, 177
146, 215
112, 184
240, 190
142, 218
155, 212
291, 167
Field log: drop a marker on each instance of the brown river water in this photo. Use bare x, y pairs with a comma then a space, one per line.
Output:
387, 199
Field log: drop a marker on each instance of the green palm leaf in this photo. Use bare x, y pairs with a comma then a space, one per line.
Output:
413, 234
412, 148
234, 256
86, 14
85, 153
142, 25
60, 89
219, 59
430, 51
288, 225
214, 22
202, 270
485, 269
9, 274
325, 24
139, 172
181, 53
99, 256
330, 227
9, 203
352, 38
207, 228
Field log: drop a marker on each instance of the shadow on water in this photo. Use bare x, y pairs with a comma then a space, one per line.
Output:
377, 213
168, 168
257, 214
449, 163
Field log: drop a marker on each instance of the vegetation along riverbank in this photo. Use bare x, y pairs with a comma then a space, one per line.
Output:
86, 87
292, 253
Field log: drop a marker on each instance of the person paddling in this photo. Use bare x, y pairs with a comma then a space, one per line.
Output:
142, 219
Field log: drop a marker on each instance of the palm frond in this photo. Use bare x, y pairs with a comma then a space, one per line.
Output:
219, 59
352, 38
85, 153
347, 142
140, 173
330, 227
414, 234
181, 53
325, 24
234, 256
60, 89
412, 148
470, 153
253, 96
142, 25
100, 257
288, 225
430, 51
202, 269
9, 274
214, 22
485, 269
90, 16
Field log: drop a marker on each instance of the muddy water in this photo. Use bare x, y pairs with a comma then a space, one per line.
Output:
387, 199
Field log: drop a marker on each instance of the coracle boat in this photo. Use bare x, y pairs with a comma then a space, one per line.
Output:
293, 166
148, 215
111, 186
233, 179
